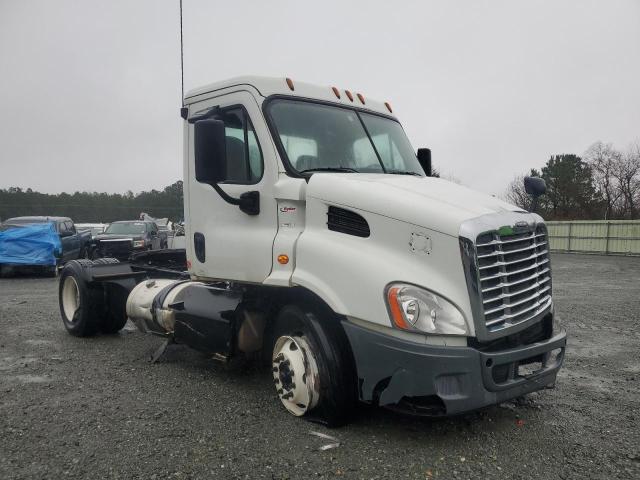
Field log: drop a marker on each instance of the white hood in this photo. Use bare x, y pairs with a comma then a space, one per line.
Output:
429, 202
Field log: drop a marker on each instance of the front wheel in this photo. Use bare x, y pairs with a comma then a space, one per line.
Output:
312, 365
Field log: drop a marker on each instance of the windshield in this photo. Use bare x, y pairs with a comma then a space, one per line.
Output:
133, 228
317, 137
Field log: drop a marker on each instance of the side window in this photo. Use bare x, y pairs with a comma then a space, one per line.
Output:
70, 227
62, 227
244, 158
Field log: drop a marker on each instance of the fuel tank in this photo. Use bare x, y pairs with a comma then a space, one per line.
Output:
202, 316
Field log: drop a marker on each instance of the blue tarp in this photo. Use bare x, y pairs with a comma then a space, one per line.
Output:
34, 244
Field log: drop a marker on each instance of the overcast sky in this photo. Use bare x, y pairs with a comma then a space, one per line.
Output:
90, 90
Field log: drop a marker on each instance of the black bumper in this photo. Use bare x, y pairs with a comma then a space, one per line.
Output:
397, 372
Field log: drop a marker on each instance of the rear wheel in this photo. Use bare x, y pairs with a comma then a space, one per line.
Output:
78, 304
312, 365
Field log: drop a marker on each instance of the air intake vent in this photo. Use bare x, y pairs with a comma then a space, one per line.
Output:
345, 221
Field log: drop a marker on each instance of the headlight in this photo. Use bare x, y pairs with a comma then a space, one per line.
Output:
138, 243
416, 309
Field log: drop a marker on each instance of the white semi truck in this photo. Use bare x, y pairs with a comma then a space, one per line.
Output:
317, 240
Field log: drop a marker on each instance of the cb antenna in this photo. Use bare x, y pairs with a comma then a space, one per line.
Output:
181, 60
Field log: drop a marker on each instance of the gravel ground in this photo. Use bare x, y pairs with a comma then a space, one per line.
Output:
95, 408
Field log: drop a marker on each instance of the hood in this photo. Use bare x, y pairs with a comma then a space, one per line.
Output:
429, 202
106, 236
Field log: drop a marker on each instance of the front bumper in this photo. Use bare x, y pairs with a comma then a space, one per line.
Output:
438, 380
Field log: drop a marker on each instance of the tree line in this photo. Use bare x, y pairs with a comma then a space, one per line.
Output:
89, 207
603, 184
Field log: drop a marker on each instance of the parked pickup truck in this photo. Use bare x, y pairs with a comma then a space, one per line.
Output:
74, 243
121, 239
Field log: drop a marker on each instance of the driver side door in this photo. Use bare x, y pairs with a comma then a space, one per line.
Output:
224, 242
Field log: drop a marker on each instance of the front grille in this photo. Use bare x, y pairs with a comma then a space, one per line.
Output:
115, 248
514, 275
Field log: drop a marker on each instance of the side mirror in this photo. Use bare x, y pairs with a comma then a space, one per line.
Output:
424, 157
535, 186
210, 150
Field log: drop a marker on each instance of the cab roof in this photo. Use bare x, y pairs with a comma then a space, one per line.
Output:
268, 86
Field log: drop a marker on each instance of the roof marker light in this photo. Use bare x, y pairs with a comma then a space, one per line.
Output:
361, 98
349, 96
290, 83
386, 104
336, 92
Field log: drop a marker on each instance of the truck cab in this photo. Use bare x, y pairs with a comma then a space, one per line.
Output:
315, 233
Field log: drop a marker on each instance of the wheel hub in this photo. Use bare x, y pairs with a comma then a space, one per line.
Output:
295, 374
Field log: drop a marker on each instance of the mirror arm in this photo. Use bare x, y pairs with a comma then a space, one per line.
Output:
225, 196
249, 202
534, 204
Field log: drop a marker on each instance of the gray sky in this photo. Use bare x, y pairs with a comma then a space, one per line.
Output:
90, 90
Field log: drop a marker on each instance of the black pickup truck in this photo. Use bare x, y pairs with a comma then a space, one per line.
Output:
121, 239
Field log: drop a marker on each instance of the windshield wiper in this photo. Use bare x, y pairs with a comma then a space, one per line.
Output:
401, 172
329, 169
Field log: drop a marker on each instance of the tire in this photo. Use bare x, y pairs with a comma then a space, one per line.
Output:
315, 343
79, 306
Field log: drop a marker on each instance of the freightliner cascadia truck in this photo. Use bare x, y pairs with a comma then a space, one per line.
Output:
318, 241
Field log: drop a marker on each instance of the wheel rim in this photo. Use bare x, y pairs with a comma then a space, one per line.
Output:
70, 297
295, 374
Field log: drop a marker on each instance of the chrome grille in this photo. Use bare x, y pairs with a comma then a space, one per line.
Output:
514, 275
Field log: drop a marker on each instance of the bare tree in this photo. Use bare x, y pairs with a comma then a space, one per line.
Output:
627, 173
516, 195
603, 160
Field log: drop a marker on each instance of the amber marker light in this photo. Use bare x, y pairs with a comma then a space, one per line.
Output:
349, 96
290, 83
396, 312
336, 92
386, 104
361, 98
283, 259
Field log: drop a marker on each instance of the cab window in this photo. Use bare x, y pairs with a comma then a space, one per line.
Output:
244, 158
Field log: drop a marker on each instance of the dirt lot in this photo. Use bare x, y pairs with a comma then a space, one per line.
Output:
95, 408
